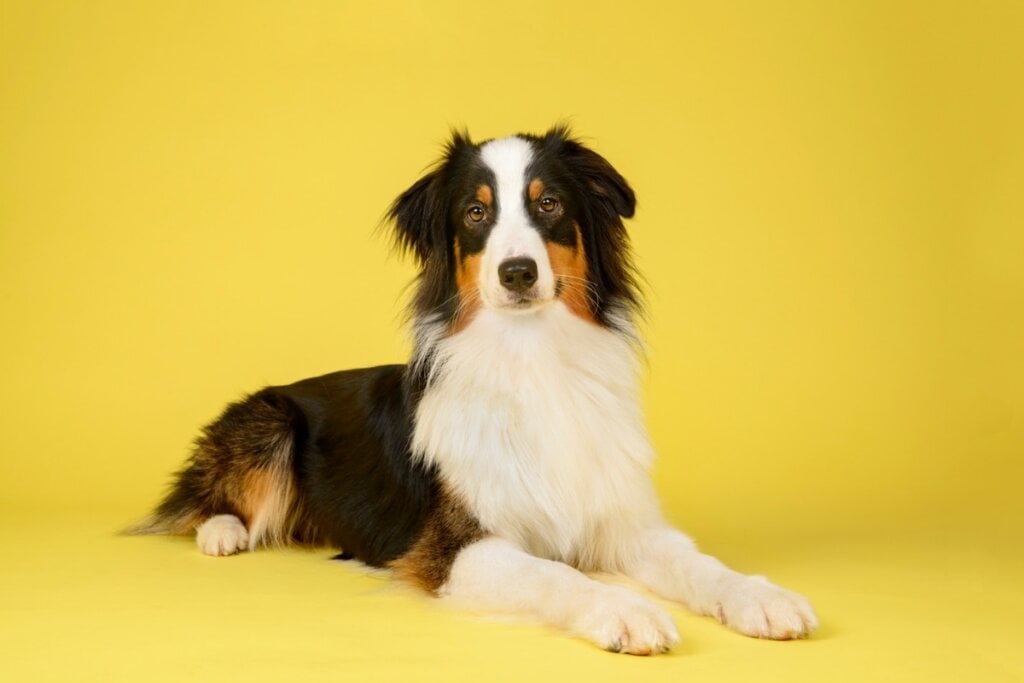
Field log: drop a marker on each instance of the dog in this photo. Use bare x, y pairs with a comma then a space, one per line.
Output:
510, 455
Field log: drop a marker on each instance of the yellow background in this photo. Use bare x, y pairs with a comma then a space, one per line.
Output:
829, 225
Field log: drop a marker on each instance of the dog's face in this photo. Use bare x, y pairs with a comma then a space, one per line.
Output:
517, 224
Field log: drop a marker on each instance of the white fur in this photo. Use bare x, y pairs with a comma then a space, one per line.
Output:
222, 535
668, 562
534, 421
496, 576
513, 235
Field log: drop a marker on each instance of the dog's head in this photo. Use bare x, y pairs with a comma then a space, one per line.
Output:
518, 224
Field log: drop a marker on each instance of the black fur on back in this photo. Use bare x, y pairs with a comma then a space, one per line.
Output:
362, 489
347, 435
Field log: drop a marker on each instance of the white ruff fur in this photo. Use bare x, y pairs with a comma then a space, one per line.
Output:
534, 421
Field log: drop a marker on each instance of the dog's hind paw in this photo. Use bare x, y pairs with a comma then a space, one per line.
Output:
222, 535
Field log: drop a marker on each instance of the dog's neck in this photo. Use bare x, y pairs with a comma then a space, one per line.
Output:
547, 401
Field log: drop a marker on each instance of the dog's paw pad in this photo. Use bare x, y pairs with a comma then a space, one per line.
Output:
756, 607
618, 620
222, 535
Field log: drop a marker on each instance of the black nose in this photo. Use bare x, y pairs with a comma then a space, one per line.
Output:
517, 274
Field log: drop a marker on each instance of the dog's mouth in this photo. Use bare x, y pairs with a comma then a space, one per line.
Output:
523, 302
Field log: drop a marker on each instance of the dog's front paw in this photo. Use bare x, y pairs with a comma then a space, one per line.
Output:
757, 607
619, 620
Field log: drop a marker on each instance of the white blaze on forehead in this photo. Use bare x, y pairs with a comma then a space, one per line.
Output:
508, 159
513, 234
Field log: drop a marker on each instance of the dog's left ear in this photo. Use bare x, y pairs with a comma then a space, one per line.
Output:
601, 178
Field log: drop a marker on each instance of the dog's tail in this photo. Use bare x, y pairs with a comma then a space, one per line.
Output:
243, 464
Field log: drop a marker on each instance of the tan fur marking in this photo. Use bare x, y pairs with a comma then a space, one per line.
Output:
449, 528
569, 265
484, 195
267, 504
467, 281
536, 189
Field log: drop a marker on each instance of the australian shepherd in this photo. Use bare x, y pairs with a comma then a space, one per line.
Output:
510, 455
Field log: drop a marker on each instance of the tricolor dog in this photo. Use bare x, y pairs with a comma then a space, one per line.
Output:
509, 456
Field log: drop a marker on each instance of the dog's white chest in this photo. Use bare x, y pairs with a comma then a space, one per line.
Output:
535, 422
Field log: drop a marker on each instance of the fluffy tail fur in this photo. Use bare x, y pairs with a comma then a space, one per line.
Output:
243, 464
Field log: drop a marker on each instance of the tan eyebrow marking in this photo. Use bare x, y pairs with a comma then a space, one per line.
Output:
535, 189
484, 195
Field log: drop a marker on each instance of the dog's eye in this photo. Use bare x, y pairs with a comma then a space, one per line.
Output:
548, 204
475, 214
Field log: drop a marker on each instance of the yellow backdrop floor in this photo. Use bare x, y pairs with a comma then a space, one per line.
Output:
83, 604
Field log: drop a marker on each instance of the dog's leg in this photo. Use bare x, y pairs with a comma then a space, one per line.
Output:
668, 562
494, 575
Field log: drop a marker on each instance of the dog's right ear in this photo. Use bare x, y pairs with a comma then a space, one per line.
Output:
420, 214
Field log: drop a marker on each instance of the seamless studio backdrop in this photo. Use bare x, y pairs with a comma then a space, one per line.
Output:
830, 231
